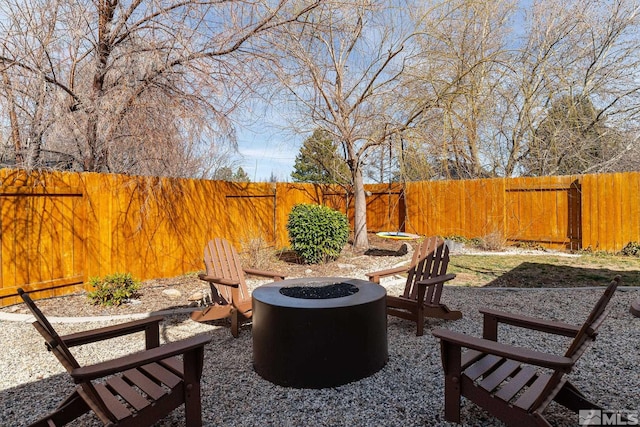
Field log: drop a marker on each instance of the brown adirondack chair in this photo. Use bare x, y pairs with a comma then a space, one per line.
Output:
135, 390
229, 294
426, 276
508, 381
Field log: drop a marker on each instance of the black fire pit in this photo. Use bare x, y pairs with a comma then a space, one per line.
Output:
320, 332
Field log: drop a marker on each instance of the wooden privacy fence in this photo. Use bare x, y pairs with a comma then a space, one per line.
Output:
545, 211
60, 229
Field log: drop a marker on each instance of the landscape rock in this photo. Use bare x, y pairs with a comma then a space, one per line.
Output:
172, 293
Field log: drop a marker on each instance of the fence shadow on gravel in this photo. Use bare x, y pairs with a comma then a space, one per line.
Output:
541, 275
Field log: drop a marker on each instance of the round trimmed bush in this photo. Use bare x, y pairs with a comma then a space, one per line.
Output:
317, 233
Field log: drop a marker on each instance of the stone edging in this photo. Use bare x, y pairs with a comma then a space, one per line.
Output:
17, 317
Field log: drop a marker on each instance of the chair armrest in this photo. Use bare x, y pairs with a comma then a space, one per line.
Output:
121, 364
543, 325
264, 273
524, 355
149, 324
219, 280
376, 275
436, 280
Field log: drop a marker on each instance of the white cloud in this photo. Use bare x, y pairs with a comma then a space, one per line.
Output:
260, 157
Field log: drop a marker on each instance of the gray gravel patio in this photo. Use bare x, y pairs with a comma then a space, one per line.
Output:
408, 391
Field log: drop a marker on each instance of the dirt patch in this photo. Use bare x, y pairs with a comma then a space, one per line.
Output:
510, 268
174, 292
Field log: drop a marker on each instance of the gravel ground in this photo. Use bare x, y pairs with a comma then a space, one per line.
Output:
408, 391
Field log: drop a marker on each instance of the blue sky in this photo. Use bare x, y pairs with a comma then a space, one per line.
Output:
263, 151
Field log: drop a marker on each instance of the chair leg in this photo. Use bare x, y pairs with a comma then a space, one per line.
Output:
234, 322
193, 363
452, 400
73, 407
570, 397
420, 320
452, 358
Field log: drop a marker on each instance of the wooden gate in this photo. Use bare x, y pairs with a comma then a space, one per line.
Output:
557, 226
41, 241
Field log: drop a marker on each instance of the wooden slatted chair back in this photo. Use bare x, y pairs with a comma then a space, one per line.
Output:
61, 351
433, 261
585, 336
589, 329
222, 261
53, 341
425, 247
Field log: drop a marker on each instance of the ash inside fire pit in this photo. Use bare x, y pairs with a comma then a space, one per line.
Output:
335, 290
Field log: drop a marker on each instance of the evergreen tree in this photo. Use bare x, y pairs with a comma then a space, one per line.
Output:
241, 176
570, 139
225, 173
319, 161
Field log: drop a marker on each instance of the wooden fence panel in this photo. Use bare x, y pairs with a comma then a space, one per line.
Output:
611, 210
58, 229
385, 208
482, 208
462, 208
630, 209
255, 219
529, 223
42, 236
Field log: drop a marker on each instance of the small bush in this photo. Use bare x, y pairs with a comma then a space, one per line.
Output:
632, 249
457, 239
114, 289
317, 233
534, 246
493, 241
256, 253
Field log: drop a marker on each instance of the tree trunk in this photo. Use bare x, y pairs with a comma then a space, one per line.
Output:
360, 238
13, 120
96, 159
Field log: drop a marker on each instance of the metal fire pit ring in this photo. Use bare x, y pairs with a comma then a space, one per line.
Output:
322, 342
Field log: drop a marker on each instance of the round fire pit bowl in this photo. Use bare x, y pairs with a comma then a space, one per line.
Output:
320, 332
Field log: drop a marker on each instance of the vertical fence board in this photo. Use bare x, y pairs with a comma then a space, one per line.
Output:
632, 214
603, 227
620, 222
9, 224
588, 214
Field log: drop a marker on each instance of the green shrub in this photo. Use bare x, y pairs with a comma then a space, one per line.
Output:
632, 249
113, 289
457, 239
317, 233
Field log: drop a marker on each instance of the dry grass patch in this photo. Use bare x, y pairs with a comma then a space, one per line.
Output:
543, 270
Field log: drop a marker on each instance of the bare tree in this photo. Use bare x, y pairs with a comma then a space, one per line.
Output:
26, 91
463, 55
129, 81
341, 71
583, 50
488, 73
